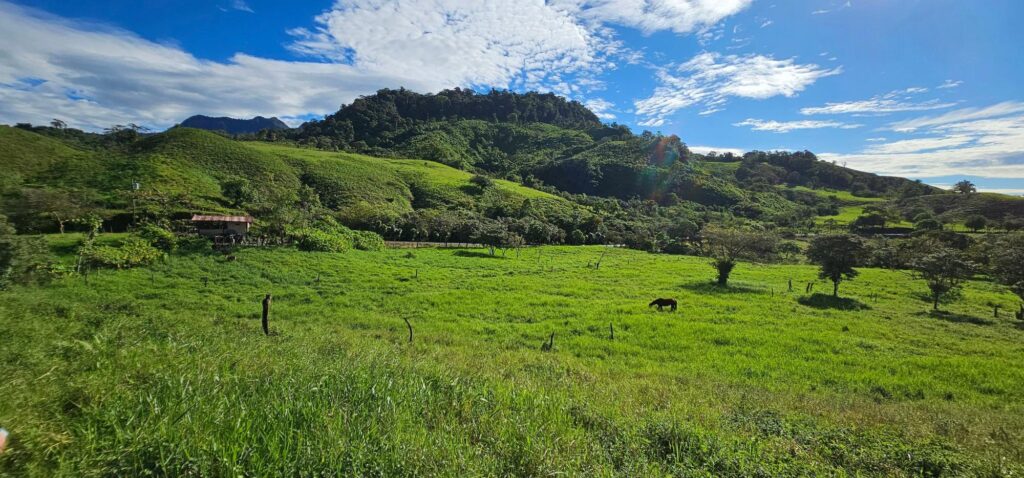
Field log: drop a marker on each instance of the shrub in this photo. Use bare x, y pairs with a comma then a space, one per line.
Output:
367, 241
159, 237
309, 239
133, 252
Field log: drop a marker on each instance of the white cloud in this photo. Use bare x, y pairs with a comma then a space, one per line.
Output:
454, 42
875, 140
787, 126
601, 107
820, 12
241, 5
766, 23
93, 76
986, 142
956, 116
708, 149
679, 16
709, 79
892, 102
651, 123
950, 84
919, 145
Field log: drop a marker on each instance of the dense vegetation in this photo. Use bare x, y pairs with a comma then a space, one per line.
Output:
233, 126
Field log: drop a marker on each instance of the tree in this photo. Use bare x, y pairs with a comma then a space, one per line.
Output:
944, 270
868, 221
482, 182
836, 257
22, 258
964, 187
727, 245
54, 204
239, 192
976, 222
928, 224
1008, 262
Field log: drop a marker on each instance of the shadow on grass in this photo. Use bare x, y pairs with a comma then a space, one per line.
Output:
485, 255
705, 287
955, 317
825, 301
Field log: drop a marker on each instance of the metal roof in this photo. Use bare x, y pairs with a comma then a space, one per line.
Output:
203, 218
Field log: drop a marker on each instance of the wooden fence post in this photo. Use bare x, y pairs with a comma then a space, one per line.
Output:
266, 314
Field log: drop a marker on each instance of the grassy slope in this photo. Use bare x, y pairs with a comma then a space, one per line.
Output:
150, 369
192, 164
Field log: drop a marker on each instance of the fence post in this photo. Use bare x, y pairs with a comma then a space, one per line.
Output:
266, 314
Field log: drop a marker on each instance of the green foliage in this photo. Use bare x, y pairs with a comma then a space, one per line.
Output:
367, 241
836, 256
976, 222
158, 237
1008, 262
132, 252
312, 239
944, 270
239, 192
23, 259
727, 245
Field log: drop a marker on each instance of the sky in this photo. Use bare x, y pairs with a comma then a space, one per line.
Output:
926, 89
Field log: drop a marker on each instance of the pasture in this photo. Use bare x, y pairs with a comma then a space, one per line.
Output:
165, 369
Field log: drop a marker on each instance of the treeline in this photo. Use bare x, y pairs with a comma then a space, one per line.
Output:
365, 122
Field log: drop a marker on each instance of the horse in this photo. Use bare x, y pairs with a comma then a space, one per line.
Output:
661, 303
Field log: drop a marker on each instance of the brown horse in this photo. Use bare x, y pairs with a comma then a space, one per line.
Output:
661, 303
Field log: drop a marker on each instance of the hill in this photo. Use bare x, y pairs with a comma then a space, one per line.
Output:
233, 126
546, 138
184, 171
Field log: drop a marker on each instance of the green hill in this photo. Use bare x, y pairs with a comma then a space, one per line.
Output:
185, 170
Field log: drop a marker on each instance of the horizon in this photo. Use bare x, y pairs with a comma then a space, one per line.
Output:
924, 90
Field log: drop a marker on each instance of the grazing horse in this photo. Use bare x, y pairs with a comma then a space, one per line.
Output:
661, 303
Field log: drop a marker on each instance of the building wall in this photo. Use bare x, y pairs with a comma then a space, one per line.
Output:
222, 229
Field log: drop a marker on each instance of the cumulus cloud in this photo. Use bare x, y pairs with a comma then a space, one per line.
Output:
892, 102
454, 42
679, 16
987, 141
601, 107
787, 126
709, 79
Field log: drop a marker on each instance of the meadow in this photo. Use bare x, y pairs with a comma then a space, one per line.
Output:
164, 370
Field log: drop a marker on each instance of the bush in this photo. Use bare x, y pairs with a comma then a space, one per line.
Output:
367, 241
159, 237
309, 239
133, 252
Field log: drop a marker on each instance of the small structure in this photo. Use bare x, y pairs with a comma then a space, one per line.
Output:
214, 226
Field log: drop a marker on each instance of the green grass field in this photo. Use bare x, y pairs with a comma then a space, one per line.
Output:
164, 370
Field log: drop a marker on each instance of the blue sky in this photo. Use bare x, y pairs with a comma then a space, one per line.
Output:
926, 89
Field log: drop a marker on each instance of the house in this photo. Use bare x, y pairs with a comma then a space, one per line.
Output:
213, 226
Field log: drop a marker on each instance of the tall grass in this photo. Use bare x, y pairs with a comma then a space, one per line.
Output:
148, 371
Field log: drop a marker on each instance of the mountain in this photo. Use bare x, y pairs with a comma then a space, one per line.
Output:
545, 139
232, 125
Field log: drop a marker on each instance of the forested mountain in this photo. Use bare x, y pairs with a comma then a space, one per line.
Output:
232, 125
535, 138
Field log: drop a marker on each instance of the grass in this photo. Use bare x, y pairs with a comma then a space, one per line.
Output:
151, 371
